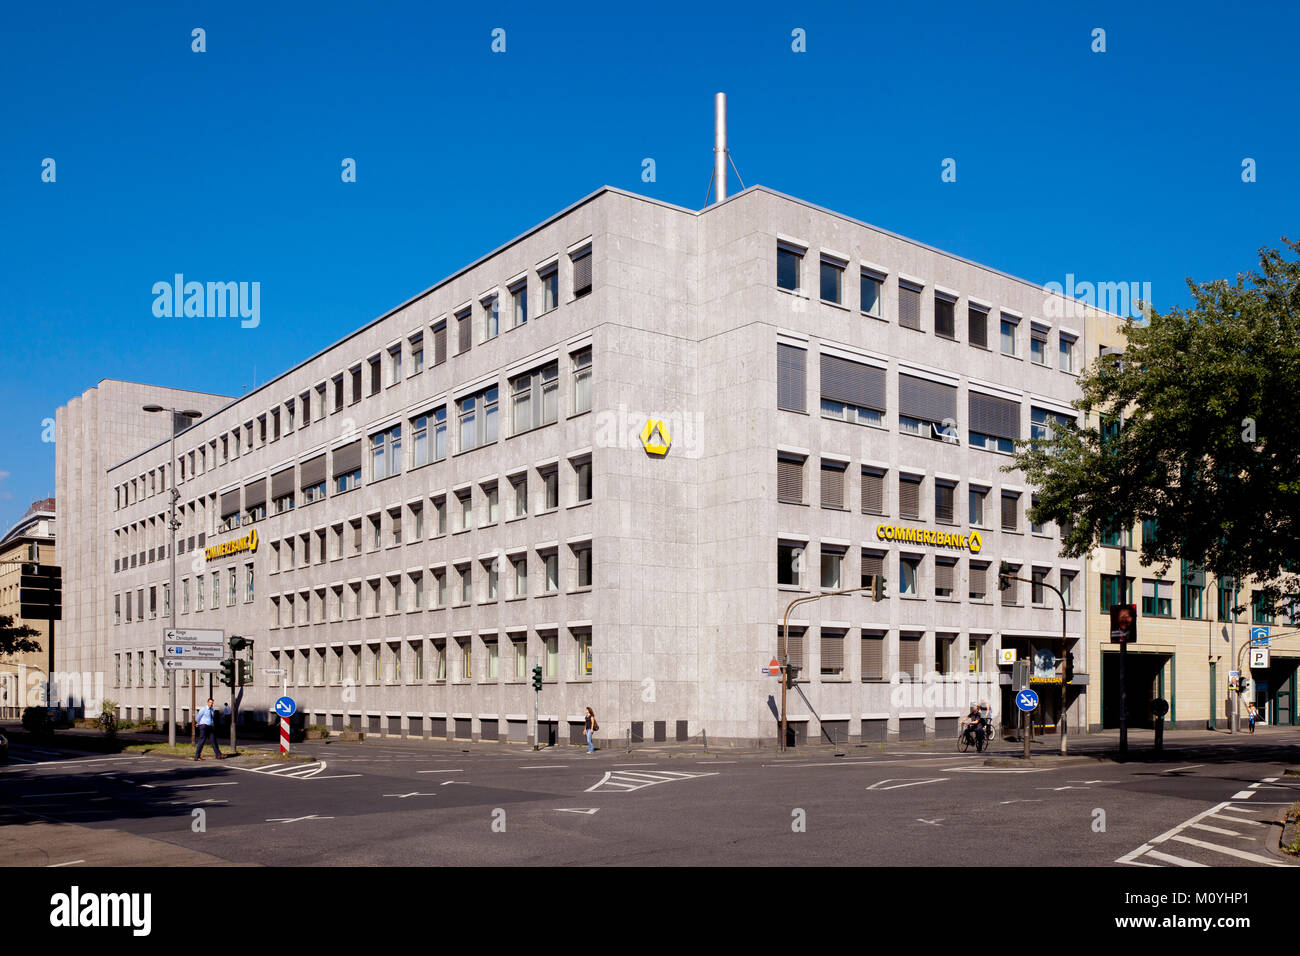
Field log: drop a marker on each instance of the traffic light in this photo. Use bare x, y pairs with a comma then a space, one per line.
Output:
1069, 666
537, 677
238, 643
1003, 570
791, 674
228, 672
1245, 684
878, 588
241, 669
40, 592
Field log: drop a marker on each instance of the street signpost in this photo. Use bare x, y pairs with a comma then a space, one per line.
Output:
190, 664
286, 707
1259, 658
202, 635
207, 652
1259, 636
1027, 701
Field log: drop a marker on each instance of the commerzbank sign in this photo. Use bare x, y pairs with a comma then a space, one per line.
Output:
940, 539
247, 543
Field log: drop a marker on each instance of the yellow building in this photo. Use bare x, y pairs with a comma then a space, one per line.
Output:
22, 676
1188, 640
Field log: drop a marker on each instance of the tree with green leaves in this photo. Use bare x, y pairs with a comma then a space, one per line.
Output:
16, 639
1195, 426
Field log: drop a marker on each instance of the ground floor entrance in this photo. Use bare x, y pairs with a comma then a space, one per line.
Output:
1274, 691
1148, 676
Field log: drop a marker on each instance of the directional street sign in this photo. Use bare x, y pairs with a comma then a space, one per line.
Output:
273, 671
1027, 700
203, 635
285, 706
1259, 658
189, 664
207, 652
1259, 636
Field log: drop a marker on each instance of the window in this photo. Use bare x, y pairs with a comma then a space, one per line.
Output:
551, 563
420, 440
1114, 537
550, 278
1043, 424
1261, 610
976, 498
1067, 588
1148, 530
832, 569
1228, 596
945, 646
440, 343
1066, 358
873, 567
994, 422
550, 489
386, 453
581, 380
338, 401
927, 408
1011, 596
833, 485
117, 605
552, 645
1193, 592
417, 522
582, 558
519, 486
519, 566
978, 647
1157, 598
870, 291
1110, 591
909, 306
944, 493
535, 398
395, 525
873, 491
789, 266
519, 304
216, 590
978, 589
945, 320
909, 496
791, 378
439, 595
582, 481
1034, 526
198, 596
491, 318
1037, 592
850, 391
1038, 344
464, 510
376, 375
464, 331
832, 656
908, 570
234, 586
491, 504
944, 574
347, 467
832, 281
790, 645
1009, 326
355, 374
1010, 511
789, 479
466, 583
478, 419
313, 480
185, 597
440, 515
581, 272
873, 656
395, 364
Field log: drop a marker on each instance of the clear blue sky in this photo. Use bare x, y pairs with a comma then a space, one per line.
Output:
1115, 166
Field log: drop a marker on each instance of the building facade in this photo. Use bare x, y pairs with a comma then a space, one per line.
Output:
1190, 637
22, 676
617, 447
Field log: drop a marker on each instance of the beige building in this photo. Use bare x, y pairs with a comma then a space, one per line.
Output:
1188, 639
22, 676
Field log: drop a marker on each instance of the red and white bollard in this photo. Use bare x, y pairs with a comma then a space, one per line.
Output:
284, 735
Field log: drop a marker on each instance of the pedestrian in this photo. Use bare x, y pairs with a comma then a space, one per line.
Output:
206, 719
591, 728
1252, 712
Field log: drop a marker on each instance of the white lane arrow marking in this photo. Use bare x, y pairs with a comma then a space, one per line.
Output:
413, 793
589, 811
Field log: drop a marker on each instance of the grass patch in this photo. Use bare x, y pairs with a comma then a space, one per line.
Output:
1291, 831
186, 750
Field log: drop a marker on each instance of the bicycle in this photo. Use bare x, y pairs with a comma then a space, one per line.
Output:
971, 733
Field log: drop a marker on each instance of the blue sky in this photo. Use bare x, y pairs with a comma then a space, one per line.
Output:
225, 165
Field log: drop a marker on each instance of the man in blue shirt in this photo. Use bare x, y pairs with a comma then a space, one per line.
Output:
207, 729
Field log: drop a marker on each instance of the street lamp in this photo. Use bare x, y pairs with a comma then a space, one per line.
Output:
173, 524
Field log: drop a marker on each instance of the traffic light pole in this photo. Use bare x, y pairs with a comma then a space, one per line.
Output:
537, 744
1123, 651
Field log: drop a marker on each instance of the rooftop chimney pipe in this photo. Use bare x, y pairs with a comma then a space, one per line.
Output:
720, 146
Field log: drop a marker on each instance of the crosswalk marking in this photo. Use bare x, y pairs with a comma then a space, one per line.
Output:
1219, 830
1175, 860
1229, 851
626, 780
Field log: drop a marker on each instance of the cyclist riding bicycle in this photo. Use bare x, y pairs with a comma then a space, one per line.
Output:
973, 721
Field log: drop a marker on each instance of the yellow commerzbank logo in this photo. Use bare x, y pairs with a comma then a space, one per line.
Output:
247, 543
943, 539
659, 447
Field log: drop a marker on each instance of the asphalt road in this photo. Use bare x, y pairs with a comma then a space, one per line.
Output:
384, 804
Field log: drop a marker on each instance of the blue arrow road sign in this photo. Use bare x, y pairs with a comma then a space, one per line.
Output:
1259, 636
285, 707
1027, 700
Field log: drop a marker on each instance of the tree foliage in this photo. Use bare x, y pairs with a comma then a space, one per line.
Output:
16, 639
1209, 441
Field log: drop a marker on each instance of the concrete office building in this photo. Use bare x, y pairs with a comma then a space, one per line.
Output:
22, 676
619, 444
1189, 639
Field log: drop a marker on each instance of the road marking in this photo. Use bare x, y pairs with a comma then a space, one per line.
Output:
66, 793
588, 811
1230, 851
69, 863
627, 781
1018, 800
1066, 787
310, 816
1243, 794
545, 766
1236, 820
413, 793
714, 762
636, 764
1181, 769
195, 786
1130, 857
448, 783
1219, 830
440, 771
1229, 806
933, 823
997, 769
1169, 858
903, 782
